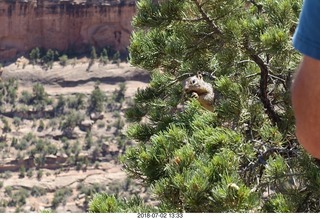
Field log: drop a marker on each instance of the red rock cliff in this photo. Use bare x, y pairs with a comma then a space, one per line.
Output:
63, 25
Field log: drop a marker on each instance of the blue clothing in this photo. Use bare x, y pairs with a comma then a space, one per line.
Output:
306, 38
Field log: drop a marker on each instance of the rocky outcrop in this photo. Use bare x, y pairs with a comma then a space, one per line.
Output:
64, 25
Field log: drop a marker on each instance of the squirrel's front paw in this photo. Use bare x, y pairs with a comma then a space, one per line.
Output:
194, 95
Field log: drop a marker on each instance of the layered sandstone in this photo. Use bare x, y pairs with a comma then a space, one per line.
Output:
64, 25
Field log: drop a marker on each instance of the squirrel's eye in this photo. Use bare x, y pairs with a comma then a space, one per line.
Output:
193, 81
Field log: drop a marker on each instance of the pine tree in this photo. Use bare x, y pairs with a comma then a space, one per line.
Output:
93, 57
244, 156
104, 58
35, 55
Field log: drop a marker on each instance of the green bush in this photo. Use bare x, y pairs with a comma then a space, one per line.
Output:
77, 102
22, 172
104, 58
63, 60
26, 97
72, 119
37, 191
40, 98
41, 126
6, 126
60, 197
18, 199
35, 55
104, 203
97, 100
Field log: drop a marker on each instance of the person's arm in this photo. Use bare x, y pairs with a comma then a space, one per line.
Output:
306, 84
306, 104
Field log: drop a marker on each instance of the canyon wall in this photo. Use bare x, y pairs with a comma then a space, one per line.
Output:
64, 25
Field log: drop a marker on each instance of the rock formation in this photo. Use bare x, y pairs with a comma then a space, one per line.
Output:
64, 25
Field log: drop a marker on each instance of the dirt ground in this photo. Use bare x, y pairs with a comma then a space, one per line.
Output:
67, 80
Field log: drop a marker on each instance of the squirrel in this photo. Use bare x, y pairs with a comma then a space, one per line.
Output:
200, 90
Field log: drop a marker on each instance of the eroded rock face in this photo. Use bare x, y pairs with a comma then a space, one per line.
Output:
64, 25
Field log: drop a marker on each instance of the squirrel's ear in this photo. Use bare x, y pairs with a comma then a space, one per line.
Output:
199, 75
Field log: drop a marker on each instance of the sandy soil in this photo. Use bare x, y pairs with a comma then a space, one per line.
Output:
69, 80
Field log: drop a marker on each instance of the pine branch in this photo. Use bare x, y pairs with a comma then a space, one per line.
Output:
210, 22
258, 6
274, 117
264, 74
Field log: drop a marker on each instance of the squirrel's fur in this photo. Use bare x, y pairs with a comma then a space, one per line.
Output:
201, 90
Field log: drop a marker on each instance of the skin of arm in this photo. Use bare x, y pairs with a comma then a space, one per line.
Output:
305, 96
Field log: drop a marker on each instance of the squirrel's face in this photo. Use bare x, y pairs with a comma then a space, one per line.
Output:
191, 83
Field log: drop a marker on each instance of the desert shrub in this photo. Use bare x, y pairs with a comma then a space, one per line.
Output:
77, 102
3, 145
18, 199
21, 145
104, 58
7, 175
16, 121
119, 94
46, 211
71, 120
30, 137
40, 98
93, 57
116, 58
60, 106
63, 60
45, 147
25, 97
22, 172
51, 149
29, 173
118, 124
101, 124
96, 164
37, 191
88, 140
8, 190
35, 55
60, 197
6, 126
53, 123
96, 152
90, 190
40, 145
41, 126
49, 57
97, 100
39, 174
76, 149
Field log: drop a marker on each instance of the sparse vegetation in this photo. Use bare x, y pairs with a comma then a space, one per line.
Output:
37, 191
104, 58
22, 172
97, 100
63, 60
41, 131
60, 197
93, 57
35, 55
